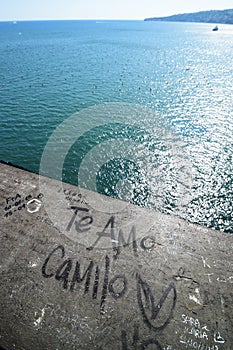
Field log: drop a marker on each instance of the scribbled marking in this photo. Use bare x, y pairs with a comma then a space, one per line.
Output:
99, 284
33, 205
19, 202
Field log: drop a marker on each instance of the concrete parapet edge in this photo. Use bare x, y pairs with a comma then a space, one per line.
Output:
107, 281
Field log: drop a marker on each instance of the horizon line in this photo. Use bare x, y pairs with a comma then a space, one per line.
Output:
71, 19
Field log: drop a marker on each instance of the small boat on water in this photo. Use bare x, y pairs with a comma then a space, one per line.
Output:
215, 29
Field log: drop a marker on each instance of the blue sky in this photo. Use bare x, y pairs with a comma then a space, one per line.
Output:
103, 9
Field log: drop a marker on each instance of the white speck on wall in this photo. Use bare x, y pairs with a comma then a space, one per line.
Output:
222, 304
33, 263
39, 320
218, 338
205, 263
196, 298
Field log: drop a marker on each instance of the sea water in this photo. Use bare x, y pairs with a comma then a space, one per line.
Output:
182, 72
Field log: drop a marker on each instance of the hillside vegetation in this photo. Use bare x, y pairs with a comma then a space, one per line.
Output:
214, 16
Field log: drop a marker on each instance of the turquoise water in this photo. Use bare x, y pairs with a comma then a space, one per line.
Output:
183, 72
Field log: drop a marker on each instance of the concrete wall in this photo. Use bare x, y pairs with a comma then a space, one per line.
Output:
81, 271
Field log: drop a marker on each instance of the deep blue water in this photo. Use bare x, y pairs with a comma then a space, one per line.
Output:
184, 72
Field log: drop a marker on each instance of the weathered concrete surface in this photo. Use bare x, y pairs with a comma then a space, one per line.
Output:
171, 288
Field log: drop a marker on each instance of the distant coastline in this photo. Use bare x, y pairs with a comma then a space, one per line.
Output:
213, 16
